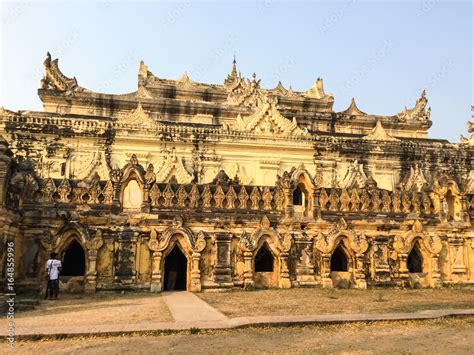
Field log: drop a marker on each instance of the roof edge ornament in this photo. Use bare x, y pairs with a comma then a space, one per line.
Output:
142, 74
54, 79
418, 112
379, 134
470, 129
317, 90
353, 110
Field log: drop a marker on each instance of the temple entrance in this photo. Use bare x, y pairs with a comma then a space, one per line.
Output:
339, 260
264, 259
74, 260
415, 261
340, 275
264, 266
176, 269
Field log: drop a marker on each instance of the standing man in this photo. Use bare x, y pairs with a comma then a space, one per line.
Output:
53, 267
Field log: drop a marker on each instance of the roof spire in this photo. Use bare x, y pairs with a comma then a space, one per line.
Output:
232, 78
234, 67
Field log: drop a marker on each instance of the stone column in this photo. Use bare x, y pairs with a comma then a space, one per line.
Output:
435, 275
156, 284
145, 208
91, 276
195, 284
248, 270
223, 271
326, 270
316, 210
403, 273
93, 247
359, 275
284, 272
5, 159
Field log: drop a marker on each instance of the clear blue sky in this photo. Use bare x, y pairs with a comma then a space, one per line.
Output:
383, 53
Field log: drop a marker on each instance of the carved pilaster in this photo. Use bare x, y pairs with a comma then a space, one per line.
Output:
91, 277
195, 284
359, 274
456, 246
435, 274
223, 271
248, 270
156, 274
326, 270
284, 272
304, 264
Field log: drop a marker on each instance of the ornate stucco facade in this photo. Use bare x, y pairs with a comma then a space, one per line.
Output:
189, 185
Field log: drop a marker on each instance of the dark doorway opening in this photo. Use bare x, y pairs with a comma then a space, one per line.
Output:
176, 267
298, 197
339, 260
415, 261
264, 259
74, 260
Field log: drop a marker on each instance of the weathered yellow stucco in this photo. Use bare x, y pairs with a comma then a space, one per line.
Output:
184, 183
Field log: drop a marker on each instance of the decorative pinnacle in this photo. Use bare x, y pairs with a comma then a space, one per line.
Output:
234, 67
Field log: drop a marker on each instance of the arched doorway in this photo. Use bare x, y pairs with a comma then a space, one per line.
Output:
176, 269
74, 260
264, 259
265, 268
339, 267
415, 260
339, 260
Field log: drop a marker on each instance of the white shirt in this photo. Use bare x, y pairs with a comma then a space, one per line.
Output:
52, 268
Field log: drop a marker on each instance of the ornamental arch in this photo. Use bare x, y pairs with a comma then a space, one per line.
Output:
174, 243
346, 247
278, 248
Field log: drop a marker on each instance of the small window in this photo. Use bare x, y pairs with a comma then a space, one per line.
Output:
298, 197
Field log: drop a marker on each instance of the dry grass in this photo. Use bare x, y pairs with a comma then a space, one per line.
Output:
306, 301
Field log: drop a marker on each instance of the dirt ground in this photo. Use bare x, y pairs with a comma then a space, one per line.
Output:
100, 308
307, 301
446, 336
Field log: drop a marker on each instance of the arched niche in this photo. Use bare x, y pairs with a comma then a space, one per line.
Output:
266, 264
342, 264
132, 195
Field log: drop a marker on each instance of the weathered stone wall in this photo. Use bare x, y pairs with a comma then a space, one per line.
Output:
220, 172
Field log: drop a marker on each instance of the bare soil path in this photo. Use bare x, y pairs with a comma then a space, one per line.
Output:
91, 312
446, 336
187, 307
